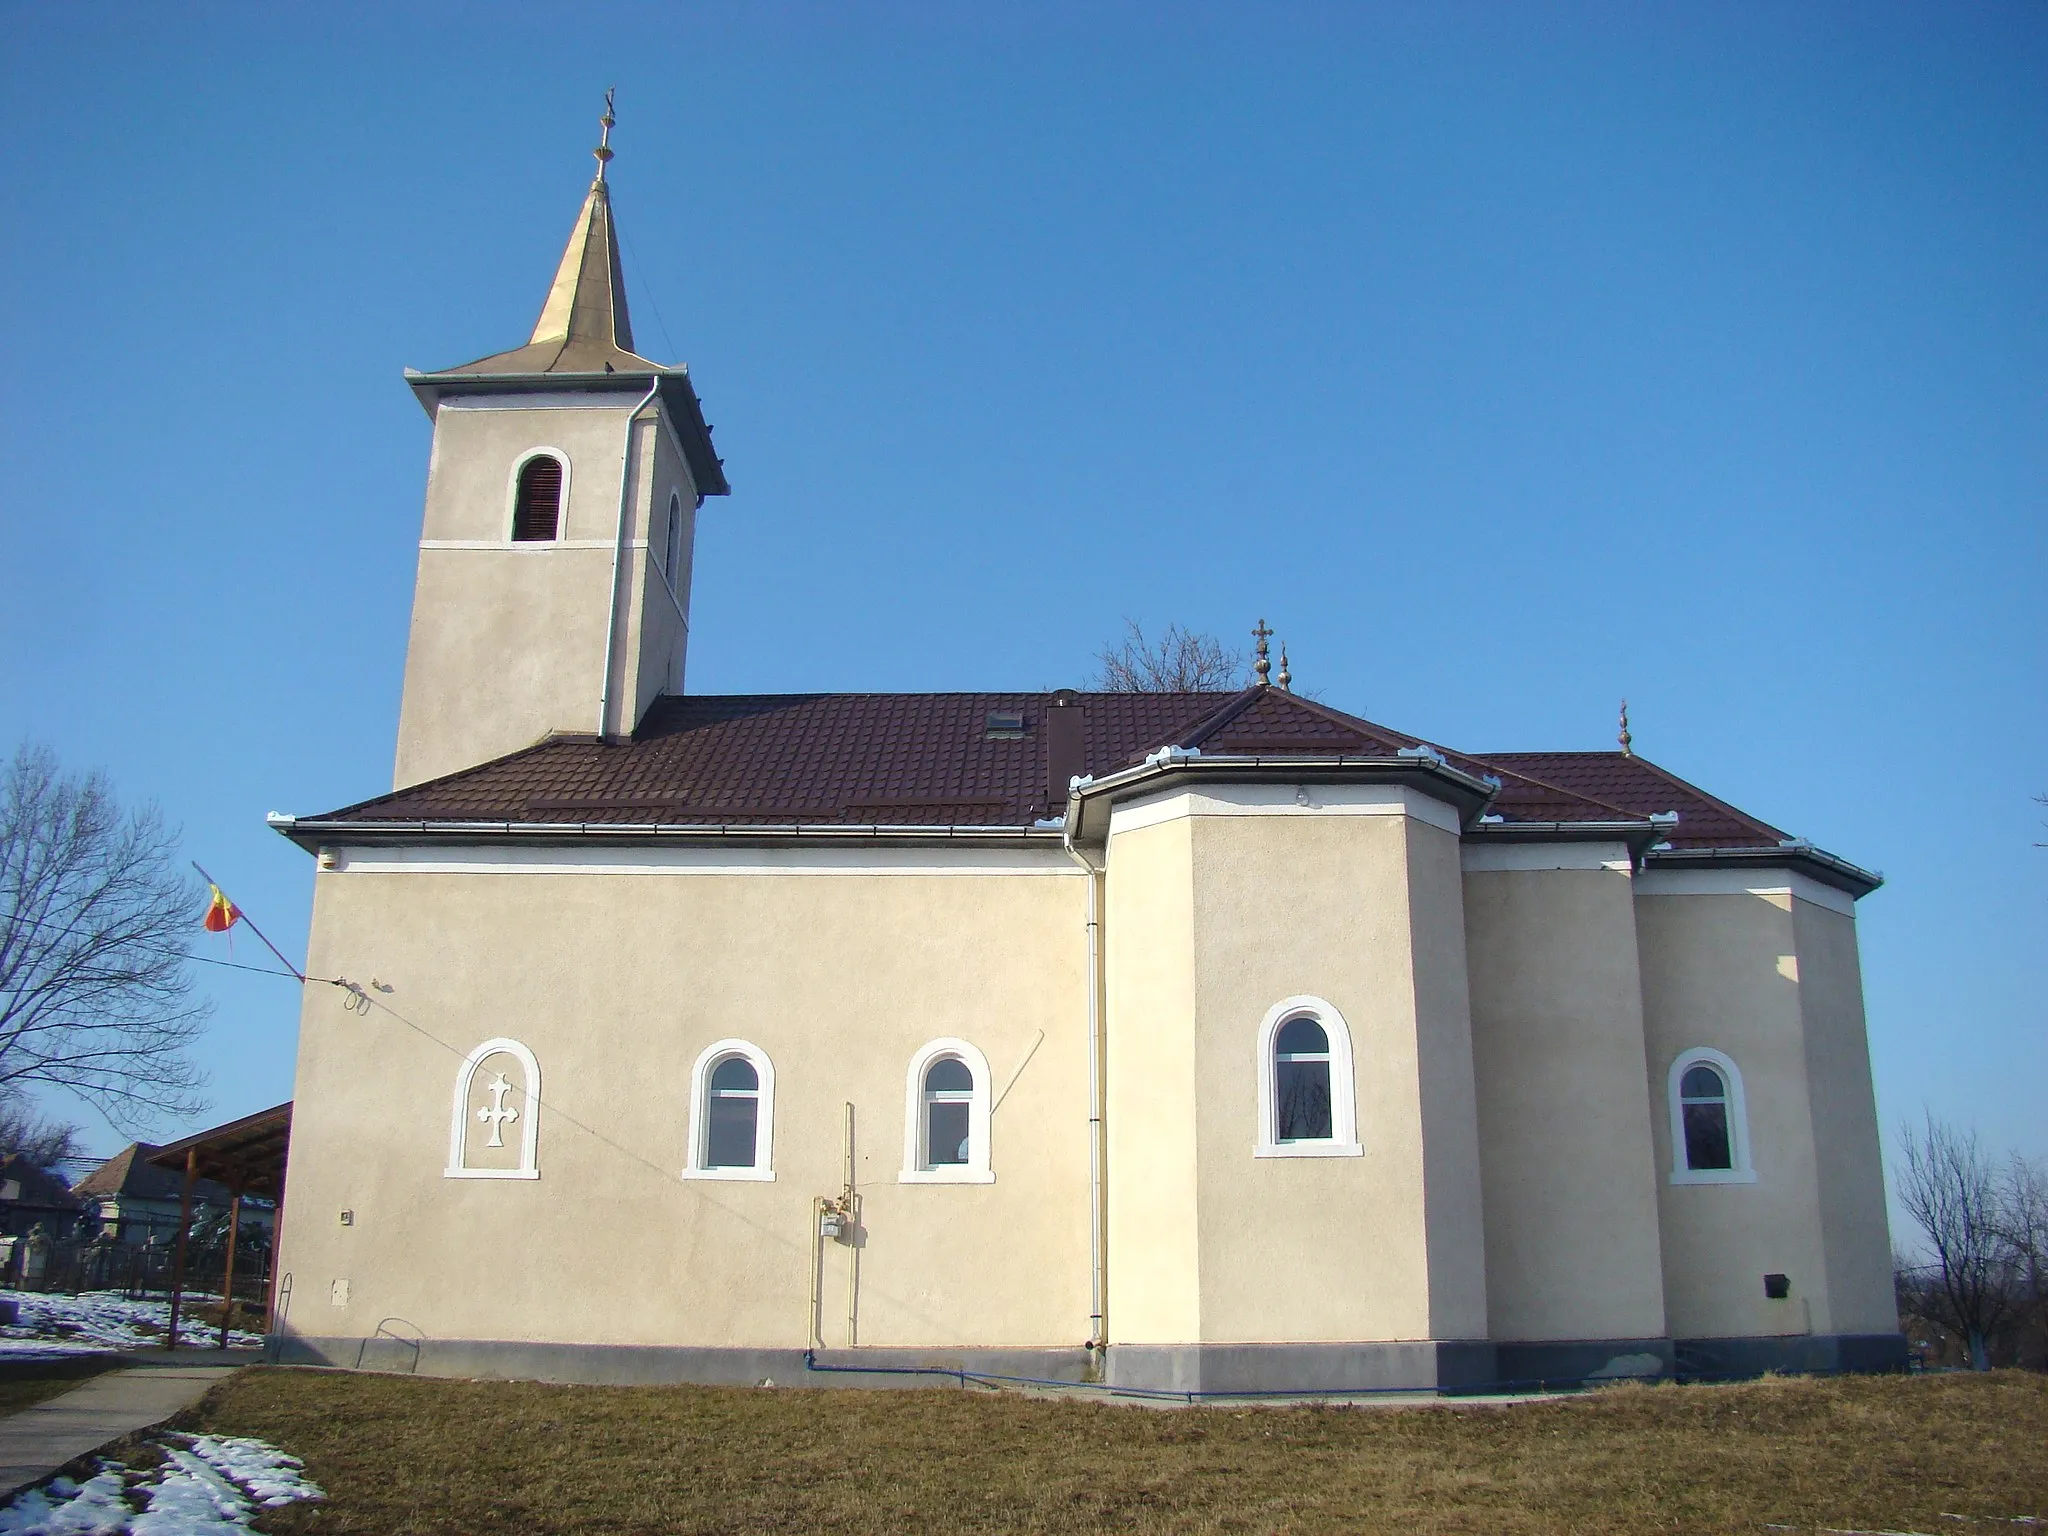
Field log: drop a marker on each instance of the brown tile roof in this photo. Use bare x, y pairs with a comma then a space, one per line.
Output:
896, 759
1638, 788
932, 759
129, 1172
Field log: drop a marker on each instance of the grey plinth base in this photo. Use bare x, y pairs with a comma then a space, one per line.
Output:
1450, 1366
1825, 1352
1568, 1362
659, 1365
1409, 1365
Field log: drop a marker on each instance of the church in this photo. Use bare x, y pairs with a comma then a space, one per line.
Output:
1182, 1042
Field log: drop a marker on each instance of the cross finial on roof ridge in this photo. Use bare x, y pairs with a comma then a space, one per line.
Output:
603, 152
1262, 662
1627, 741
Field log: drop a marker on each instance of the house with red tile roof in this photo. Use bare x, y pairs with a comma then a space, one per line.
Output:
1186, 1042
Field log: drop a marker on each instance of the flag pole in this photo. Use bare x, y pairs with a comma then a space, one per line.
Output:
252, 926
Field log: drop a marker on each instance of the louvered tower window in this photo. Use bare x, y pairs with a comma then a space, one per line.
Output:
537, 508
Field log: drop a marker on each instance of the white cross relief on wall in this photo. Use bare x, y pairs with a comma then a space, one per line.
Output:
498, 1112
513, 1102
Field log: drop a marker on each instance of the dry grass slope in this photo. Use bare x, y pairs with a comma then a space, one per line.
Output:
401, 1455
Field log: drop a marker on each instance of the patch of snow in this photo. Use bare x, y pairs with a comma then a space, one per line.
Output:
271, 1477
94, 1321
211, 1485
64, 1508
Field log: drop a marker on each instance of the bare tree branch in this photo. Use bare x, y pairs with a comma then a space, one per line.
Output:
44, 1144
2023, 1219
1179, 661
95, 924
1952, 1191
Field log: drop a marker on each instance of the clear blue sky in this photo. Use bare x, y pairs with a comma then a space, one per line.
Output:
1509, 359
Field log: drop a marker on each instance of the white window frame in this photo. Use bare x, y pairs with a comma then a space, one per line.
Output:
529, 1114
512, 500
763, 1171
1343, 1140
976, 1169
1743, 1171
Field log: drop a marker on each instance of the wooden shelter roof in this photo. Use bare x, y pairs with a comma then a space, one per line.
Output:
247, 1155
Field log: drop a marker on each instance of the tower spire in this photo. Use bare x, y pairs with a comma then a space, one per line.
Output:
587, 302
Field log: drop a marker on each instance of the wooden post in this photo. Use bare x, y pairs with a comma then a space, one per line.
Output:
227, 1284
178, 1260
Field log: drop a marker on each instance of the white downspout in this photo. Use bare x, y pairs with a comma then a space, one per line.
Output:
611, 623
1098, 1279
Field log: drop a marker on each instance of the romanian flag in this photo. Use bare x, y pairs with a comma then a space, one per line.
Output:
221, 914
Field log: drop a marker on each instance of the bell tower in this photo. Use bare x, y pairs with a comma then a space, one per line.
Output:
553, 594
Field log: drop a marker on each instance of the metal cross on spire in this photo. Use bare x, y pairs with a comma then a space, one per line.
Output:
1261, 661
604, 147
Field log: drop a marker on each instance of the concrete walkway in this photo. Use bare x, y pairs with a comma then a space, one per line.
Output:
38, 1440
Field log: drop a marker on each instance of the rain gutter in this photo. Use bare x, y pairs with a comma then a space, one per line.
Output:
1098, 1244
311, 831
1829, 869
1172, 767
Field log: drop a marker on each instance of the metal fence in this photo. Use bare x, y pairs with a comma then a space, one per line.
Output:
141, 1272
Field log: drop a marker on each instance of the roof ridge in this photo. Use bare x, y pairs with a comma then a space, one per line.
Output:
1715, 800
1358, 722
1202, 727
1558, 789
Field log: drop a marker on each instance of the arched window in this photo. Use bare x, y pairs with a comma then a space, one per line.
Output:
672, 564
1709, 1123
732, 1113
1308, 1104
537, 501
494, 1131
946, 1116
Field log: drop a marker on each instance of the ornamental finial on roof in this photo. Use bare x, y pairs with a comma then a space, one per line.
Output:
1627, 741
1262, 663
603, 152
1286, 678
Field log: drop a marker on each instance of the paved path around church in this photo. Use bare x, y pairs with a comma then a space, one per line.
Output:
38, 1440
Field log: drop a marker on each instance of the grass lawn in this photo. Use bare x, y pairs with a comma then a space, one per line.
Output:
399, 1454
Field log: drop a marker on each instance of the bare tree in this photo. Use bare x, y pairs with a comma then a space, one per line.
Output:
1179, 661
2023, 1216
42, 1143
96, 995
1953, 1192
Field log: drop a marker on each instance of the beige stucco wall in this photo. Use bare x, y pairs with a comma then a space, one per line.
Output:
1854, 1228
1152, 1124
1213, 918
1572, 1248
616, 981
1721, 970
654, 627
508, 640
